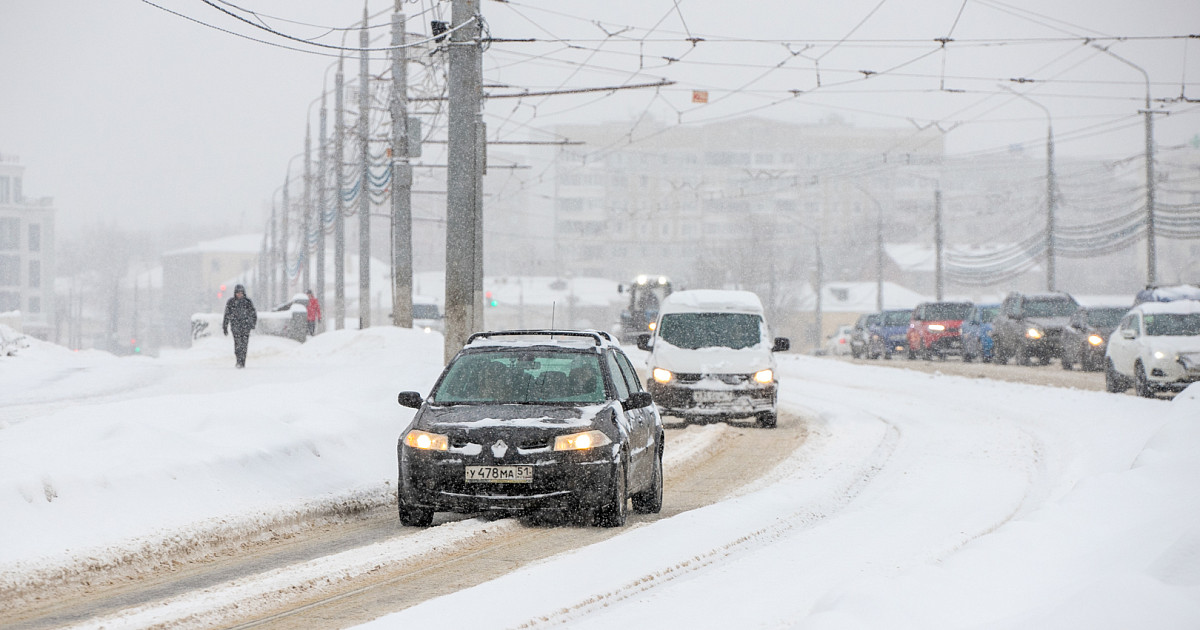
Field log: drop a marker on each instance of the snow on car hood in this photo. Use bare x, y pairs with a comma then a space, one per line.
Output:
711, 360
1047, 322
471, 416
1174, 345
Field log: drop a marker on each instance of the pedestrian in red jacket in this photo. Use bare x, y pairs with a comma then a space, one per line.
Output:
314, 312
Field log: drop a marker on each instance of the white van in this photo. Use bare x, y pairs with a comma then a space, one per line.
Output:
711, 357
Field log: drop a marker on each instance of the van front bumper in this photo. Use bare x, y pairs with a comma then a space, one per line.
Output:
713, 396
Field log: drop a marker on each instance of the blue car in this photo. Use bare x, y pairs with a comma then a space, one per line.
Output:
977, 333
890, 335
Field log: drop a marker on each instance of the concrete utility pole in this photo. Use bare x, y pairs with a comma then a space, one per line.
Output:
339, 221
306, 224
464, 288
819, 315
364, 189
270, 294
1151, 244
282, 296
321, 192
402, 260
938, 246
1051, 187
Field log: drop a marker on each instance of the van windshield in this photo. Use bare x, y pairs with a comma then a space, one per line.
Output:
711, 330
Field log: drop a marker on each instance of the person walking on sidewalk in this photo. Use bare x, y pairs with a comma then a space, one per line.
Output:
242, 318
314, 313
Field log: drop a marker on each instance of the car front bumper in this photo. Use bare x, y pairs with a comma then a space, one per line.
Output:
1176, 375
568, 480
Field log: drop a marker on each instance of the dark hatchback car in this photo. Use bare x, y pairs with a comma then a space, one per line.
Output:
1086, 336
533, 420
1031, 325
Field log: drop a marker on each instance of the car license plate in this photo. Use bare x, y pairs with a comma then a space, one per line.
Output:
709, 397
499, 474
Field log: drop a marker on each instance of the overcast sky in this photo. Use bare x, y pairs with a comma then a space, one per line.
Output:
124, 112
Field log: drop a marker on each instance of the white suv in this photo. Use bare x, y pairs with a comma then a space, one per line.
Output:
1156, 347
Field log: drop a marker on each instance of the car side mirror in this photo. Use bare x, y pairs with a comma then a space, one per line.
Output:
1128, 334
643, 341
782, 344
638, 400
410, 399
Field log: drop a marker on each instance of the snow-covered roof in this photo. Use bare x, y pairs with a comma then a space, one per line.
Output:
712, 300
240, 244
858, 297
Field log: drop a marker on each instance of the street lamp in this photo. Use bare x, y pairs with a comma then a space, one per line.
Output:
1051, 199
1151, 264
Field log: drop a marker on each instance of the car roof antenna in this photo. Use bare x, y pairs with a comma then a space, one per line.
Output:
553, 307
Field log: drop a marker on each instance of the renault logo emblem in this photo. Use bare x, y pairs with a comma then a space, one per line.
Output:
499, 449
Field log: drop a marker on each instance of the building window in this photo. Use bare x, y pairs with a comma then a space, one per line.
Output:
35, 237
10, 271
17, 197
35, 273
35, 305
10, 234
4, 192
9, 301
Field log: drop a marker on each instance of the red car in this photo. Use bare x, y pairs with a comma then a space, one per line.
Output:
936, 328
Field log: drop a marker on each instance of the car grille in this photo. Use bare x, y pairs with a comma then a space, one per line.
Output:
730, 379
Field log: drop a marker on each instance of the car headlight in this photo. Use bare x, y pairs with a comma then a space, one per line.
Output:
937, 327
427, 441
764, 376
1158, 354
581, 441
1095, 340
1033, 333
662, 376
652, 326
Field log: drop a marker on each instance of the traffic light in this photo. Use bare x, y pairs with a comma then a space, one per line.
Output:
491, 301
136, 348
221, 292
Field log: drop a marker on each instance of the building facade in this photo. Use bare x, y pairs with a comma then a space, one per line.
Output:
26, 253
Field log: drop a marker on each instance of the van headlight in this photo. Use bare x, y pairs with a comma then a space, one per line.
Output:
765, 377
937, 327
1033, 333
662, 376
1095, 340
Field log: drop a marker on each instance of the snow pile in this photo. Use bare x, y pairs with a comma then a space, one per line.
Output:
107, 461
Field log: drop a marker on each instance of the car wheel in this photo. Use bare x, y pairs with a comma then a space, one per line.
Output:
612, 512
1141, 384
649, 501
912, 353
998, 354
1066, 361
926, 353
1113, 383
1086, 363
1021, 355
966, 356
767, 419
412, 516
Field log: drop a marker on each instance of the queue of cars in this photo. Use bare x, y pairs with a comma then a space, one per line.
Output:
1156, 346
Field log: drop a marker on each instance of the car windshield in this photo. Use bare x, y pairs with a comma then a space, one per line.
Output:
988, 313
1173, 324
527, 375
946, 311
1050, 308
896, 318
711, 330
425, 311
1105, 317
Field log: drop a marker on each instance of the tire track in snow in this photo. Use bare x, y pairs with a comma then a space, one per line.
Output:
806, 516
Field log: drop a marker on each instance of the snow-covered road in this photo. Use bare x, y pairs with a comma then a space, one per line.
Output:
917, 500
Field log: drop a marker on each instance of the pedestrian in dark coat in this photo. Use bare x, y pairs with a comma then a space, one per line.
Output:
242, 318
